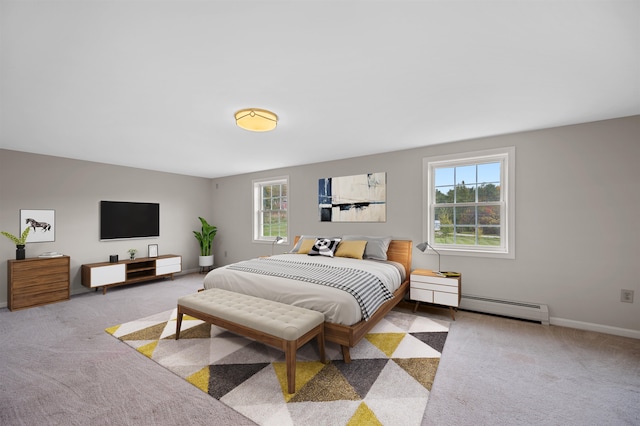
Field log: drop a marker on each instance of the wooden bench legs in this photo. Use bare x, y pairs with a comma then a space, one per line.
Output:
290, 347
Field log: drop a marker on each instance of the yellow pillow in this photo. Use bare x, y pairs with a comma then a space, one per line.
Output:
306, 246
354, 249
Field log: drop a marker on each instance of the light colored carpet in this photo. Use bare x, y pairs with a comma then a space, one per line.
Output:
59, 367
387, 382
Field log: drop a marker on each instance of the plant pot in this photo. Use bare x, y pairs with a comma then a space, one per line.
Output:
21, 253
205, 261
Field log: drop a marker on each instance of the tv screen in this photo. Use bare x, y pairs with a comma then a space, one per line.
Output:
122, 219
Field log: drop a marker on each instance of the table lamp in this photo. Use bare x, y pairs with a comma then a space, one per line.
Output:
423, 247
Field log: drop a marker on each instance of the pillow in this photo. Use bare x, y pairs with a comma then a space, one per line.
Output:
354, 249
324, 247
376, 246
302, 239
306, 246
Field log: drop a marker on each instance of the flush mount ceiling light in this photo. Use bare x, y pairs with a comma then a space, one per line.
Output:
256, 120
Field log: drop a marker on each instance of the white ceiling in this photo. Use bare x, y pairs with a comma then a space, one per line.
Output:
154, 84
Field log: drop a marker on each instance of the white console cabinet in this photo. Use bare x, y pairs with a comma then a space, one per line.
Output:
168, 265
106, 274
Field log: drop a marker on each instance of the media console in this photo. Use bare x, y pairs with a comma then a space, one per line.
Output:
106, 274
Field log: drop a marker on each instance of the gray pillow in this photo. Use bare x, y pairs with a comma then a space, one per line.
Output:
376, 246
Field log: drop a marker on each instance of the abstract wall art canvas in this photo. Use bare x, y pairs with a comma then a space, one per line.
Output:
358, 198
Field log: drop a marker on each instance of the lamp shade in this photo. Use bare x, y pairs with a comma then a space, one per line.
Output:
256, 120
277, 240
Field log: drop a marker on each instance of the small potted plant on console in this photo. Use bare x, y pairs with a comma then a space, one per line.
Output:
132, 253
19, 242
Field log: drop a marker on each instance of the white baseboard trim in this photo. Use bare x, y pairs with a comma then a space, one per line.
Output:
580, 325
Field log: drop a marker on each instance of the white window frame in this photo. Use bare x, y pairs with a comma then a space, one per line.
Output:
504, 155
257, 185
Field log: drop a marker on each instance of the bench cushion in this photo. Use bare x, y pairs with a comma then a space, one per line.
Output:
277, 319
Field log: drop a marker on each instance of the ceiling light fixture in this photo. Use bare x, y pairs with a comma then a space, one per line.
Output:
256, 120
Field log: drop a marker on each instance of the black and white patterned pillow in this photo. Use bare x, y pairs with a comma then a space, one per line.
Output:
324, 247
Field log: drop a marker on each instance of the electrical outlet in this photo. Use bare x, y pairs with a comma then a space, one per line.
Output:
626, 296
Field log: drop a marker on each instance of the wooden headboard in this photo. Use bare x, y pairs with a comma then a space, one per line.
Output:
399, 251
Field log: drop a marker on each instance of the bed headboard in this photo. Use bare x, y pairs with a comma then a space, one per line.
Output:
399, 251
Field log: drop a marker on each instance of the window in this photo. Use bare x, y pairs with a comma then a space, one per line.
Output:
270, 207
469, 203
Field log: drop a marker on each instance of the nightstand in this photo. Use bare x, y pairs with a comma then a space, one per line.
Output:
426, 286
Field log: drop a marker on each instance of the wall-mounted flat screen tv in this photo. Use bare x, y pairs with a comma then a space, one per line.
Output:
124, 219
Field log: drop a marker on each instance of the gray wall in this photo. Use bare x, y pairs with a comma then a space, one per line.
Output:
74, 189
577, 231
577, 235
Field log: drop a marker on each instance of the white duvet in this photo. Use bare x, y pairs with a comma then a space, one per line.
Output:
337, 305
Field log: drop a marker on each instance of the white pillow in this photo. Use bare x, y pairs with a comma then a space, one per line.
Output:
324, 247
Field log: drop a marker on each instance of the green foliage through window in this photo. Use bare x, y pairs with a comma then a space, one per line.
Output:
467, 206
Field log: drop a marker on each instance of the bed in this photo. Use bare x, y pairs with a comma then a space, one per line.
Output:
343, 325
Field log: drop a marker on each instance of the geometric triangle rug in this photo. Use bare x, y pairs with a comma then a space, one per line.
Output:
387, 382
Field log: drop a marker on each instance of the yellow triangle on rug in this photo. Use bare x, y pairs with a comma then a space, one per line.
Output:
364, 417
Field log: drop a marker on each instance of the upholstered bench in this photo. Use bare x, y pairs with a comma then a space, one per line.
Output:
276, 324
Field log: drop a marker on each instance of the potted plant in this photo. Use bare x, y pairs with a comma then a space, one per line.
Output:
132, 253
205, 239
19, 242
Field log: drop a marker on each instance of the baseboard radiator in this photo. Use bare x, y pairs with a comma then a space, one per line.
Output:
506, 308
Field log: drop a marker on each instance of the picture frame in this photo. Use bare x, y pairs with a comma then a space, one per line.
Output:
357, 198
153, 250
42, 224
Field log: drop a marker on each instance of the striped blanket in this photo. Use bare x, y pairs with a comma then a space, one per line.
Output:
368, 290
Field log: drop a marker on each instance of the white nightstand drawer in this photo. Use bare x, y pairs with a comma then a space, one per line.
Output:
435, 287
415, 278
449, 299
421, 295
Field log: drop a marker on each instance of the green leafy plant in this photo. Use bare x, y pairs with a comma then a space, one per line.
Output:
22, 240
205, 237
